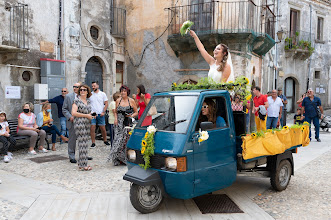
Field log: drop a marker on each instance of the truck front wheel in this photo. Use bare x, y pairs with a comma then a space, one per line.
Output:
281, 176
146, 199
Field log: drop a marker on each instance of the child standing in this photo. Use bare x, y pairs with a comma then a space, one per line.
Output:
111, 119
298, 118
5, 137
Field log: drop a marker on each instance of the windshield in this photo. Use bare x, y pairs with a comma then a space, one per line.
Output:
169, 113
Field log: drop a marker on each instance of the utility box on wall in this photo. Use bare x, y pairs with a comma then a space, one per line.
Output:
40, 91
52, 74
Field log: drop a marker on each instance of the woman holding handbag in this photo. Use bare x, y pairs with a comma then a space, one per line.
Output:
142, 99
125, 109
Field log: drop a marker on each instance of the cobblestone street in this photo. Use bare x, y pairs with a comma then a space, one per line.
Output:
307, 196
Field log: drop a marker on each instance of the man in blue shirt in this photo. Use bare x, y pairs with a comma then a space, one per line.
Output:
58, 100
309, 106
284, 110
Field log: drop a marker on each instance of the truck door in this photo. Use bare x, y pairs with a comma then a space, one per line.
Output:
214, 159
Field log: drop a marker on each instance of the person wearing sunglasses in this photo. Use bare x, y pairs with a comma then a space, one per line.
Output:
82, 111
208, 113
58, 100
67, 107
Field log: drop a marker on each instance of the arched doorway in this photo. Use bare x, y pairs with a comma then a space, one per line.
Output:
94, 72
290, 94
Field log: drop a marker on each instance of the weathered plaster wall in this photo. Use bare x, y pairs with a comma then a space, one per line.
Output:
320, 59
76, 50
39, 30
146, 20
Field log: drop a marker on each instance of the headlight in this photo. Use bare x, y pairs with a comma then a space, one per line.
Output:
131, 155
171, 163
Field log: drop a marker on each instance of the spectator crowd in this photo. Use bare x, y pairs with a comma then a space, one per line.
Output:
270, 110
79, 113
86, 108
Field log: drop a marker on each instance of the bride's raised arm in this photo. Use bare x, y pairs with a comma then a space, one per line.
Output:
209, 59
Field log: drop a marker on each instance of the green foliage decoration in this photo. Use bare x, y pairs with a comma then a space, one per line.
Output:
240, 86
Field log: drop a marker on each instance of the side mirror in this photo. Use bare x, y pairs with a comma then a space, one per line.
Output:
206, 125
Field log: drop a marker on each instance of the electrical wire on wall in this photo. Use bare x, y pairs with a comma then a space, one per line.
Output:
81, 29
142, 55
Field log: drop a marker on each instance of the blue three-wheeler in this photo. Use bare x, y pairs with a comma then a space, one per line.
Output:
182, 167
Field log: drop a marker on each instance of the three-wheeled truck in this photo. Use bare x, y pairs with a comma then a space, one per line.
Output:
182, 167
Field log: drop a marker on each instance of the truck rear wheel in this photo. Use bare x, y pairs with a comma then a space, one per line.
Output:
146, 199
281, 177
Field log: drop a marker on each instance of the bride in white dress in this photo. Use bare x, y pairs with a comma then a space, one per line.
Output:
221, 69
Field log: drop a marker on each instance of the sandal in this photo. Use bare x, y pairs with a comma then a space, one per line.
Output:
88, 168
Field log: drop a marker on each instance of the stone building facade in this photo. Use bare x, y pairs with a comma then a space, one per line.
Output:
161, 56
303, 23
88, 35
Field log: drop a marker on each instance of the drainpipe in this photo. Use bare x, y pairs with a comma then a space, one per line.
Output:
276, 49
309, 64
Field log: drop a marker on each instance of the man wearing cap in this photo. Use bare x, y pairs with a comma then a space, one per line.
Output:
260, 106
311, 105
284, 100
58, 100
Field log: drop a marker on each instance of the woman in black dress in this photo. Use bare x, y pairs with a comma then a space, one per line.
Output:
126, 107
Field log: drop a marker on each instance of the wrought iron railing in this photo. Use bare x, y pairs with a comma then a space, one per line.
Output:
299, 40
118, 22
223, 17
19, 26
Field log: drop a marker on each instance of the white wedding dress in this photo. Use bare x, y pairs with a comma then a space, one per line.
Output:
217, 75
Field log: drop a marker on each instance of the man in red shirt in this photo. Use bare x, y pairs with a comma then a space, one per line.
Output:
259, 100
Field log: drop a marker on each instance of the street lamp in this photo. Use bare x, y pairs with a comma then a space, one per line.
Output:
280, 36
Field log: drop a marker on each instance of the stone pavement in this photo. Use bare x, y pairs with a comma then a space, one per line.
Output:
57, 190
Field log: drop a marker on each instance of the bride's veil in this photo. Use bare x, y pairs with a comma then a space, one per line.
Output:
229, 61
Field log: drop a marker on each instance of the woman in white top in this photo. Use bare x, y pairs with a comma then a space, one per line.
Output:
221, 69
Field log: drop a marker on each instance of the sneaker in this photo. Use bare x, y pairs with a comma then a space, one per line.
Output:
43, 150
32, 152
318, 140
0, 182
73, 161
93, 145
106, 143
6, 159
10, 155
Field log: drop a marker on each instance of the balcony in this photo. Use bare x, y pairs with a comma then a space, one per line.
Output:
117, 22
18, 39
242, 25
299, 44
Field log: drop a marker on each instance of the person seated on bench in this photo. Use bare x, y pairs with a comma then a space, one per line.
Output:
208, 113
27, 126
45, 121
5, 137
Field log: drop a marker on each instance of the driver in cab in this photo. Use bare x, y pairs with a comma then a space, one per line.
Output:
208, 113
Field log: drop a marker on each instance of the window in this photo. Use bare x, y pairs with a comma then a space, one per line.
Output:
213, 110
94, 32
201, 13
119, 74
294, 22
26, 75
320, 22
317, 75
173, 113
